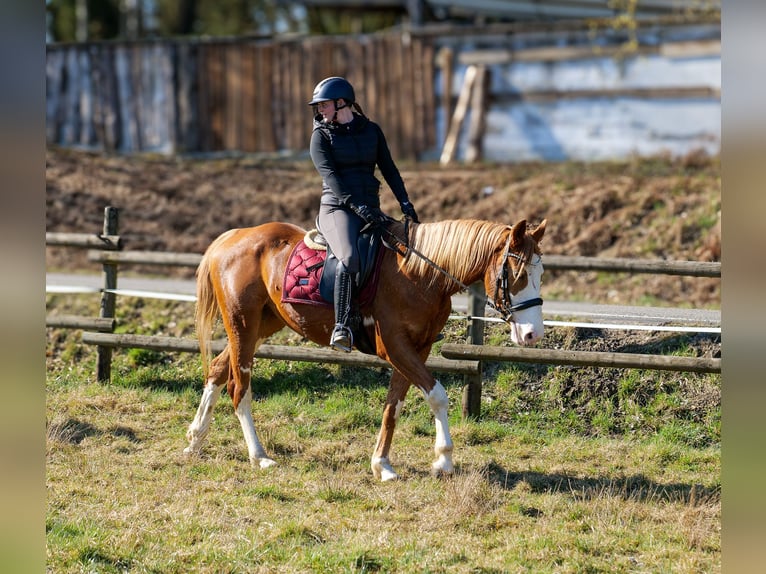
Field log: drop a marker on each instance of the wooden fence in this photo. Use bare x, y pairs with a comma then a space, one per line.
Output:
549, 93
247, 95
461, 359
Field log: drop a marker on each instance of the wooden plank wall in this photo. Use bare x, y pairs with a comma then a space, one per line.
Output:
243, 95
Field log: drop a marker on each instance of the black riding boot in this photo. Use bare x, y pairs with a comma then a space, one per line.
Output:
341, 338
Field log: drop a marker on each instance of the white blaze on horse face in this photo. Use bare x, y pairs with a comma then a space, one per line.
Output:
527, 326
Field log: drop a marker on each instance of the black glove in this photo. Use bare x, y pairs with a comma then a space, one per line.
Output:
368, 214
409, 211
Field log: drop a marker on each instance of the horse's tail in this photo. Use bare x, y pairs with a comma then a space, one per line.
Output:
206, 310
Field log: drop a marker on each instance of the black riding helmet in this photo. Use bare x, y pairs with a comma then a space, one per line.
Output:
333, 88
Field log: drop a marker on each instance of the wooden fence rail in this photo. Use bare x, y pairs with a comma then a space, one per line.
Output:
461, 359
582, 358
102, 324
276, 352
100, 241
652, 266
559, 262
146, 258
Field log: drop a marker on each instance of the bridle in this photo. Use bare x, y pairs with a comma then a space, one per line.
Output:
505, 306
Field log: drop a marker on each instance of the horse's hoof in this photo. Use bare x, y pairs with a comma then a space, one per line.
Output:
264, 462
440, 473
382, 470
387, 475
442, 468
190, 452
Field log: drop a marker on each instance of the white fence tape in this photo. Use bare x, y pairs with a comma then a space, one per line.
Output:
71, 289
193, 298
669, 328
125, 292
625, 327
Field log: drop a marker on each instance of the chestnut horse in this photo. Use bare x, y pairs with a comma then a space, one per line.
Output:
240, 278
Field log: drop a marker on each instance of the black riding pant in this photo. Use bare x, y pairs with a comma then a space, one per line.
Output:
340, 227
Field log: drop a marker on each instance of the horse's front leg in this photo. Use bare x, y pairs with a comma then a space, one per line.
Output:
437, 399
380, 463
200, 425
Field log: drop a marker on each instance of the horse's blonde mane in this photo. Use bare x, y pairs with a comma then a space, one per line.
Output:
459, 246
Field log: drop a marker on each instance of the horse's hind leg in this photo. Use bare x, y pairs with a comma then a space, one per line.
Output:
200, 425
245, 336
242, 396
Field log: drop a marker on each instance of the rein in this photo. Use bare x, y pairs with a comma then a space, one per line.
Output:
506, 308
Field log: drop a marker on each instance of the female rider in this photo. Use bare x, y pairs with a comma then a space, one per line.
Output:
345, 148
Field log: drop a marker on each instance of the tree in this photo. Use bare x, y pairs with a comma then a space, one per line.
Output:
110, 19
227, 17
102, 19
352, 20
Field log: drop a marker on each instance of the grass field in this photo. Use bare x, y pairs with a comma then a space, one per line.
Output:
568, 470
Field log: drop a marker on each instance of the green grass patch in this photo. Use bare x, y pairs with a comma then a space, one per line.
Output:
567, 470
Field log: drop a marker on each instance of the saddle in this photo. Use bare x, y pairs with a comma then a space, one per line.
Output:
310, 277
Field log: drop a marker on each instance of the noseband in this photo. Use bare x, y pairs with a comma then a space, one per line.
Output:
505, 306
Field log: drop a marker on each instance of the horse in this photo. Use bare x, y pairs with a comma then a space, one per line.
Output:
240, 279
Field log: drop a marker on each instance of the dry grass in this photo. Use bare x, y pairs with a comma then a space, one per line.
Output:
123, 498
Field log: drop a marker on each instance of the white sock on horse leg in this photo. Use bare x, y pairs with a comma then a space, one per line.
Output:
439, 403
200, 425
255, 449
381, 465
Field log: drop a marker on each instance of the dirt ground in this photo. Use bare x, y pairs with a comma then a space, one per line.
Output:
652, 209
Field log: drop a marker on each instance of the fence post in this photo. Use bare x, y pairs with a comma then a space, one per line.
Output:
472, 383
104, 365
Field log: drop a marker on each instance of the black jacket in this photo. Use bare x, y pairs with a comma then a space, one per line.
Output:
345, 155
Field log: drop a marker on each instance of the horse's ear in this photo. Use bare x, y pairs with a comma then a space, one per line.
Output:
537, 232
518, 232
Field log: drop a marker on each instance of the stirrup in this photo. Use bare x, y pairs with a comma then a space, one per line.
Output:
341, 339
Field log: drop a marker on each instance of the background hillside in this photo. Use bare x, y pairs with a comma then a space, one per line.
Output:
652, 209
